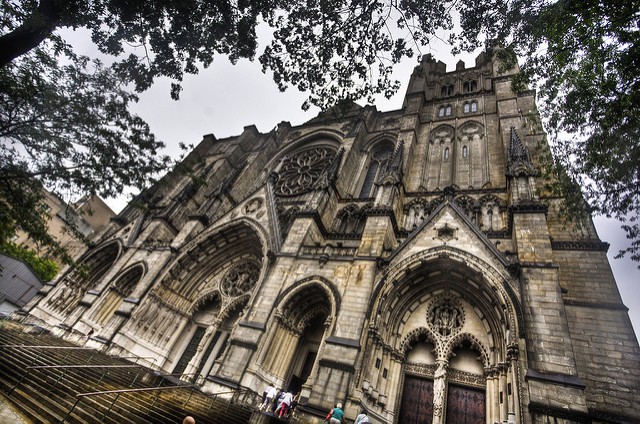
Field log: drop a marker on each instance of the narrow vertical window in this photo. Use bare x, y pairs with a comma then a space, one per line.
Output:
377, 164
441, 112
446, 153
474, 106
466, 108
448, 111
465, 151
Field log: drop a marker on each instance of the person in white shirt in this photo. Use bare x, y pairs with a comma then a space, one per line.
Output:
362, 418
271, 393
287, 399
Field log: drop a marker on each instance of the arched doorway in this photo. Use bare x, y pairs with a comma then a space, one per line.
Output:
296, 336
441, 345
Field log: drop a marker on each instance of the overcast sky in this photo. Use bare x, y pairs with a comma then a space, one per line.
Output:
223, 99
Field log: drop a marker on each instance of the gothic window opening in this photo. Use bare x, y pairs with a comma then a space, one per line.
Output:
446, 153
116, 293
470, 86
448, 111
470, 107
465, 151
377, 165
73, 286
446, 90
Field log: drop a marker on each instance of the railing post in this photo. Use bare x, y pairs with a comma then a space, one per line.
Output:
188, 399
71, 410
110, 406
24, 376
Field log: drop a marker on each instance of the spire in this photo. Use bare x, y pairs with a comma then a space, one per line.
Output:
518, 158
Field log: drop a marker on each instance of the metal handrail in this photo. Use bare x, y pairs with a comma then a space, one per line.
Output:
118, 392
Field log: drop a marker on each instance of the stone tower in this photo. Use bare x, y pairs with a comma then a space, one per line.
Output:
407, 263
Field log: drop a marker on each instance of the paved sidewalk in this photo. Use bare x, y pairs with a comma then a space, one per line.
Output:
10, 414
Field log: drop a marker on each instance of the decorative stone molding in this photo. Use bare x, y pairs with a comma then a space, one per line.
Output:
596, 245
445, 315
301, 172
240, 278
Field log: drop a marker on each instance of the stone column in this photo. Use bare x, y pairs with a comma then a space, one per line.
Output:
439, 391
504, 398
514, 402
192, 366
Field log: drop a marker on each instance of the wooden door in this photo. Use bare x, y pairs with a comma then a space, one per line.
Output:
417, 401
465, 405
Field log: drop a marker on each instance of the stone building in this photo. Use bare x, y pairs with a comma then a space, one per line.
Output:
89, 214
404, 262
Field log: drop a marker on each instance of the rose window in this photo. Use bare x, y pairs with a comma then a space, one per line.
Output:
299, 173
240, 279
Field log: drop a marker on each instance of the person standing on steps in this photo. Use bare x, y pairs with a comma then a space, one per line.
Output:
362, 418
269, 398
287, 399
335, 415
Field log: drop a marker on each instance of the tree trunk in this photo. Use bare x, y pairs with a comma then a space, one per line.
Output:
35, 29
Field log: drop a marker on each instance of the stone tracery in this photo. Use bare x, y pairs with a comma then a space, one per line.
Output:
300, 172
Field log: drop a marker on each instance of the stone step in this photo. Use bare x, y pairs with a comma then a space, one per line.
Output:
60, 391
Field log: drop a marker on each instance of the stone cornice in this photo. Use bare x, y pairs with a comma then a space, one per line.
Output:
338, 365
557, 379
594, 245
595, 305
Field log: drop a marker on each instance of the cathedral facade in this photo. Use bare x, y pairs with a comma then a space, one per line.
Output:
408, 263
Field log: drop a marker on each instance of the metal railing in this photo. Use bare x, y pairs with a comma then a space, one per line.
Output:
240, 395
81, 396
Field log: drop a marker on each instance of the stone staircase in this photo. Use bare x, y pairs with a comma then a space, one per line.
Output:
44, 382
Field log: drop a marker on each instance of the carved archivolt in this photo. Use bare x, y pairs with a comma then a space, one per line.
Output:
300, 172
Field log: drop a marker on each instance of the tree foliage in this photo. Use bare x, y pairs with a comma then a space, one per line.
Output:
65, 126
46, 269
580, 54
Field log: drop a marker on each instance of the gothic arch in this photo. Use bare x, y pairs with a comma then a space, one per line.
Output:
374, 142
475, 343
122, 286
496, 283
453, 300
443, 132
323, 137
211, 251
302, 321
414, 336
319, 284
72, 286
470, 129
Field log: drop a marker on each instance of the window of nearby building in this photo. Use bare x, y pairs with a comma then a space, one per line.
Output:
446, 153
448, 111
474, 106
442, 110
465, 151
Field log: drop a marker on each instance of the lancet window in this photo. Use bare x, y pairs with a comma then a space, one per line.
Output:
377, 164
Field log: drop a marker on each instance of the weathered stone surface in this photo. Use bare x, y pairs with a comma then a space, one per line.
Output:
392, 261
